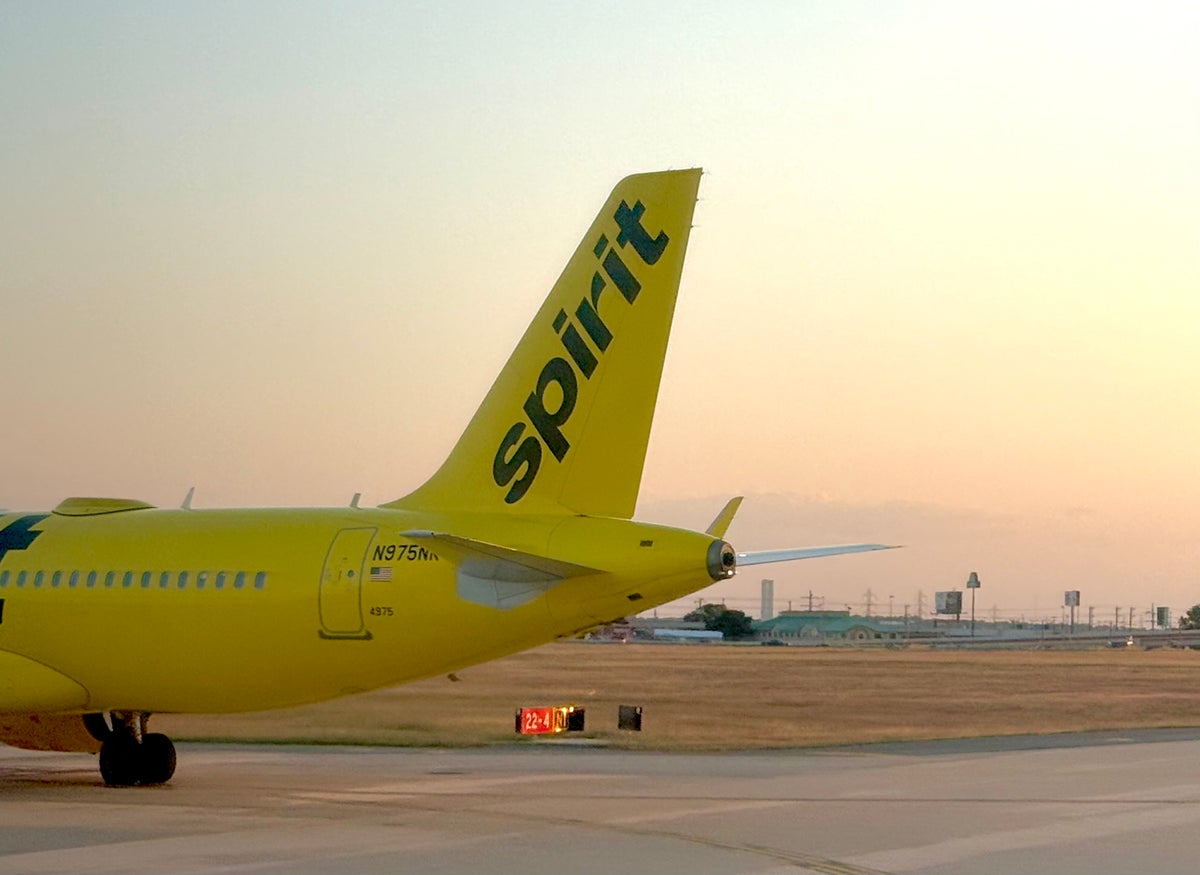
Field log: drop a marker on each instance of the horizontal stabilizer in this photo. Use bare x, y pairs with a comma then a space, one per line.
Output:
762, 557
500, 577
505, 563
721, 524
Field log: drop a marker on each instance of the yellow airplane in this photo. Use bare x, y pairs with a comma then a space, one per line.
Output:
111, 610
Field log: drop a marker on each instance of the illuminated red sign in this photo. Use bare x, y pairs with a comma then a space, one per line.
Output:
542, 721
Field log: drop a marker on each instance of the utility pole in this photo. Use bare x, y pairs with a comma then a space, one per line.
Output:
870, 599
1091, 616
920, 604
1131, 618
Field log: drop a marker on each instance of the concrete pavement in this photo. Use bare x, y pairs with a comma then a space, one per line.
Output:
1099, 802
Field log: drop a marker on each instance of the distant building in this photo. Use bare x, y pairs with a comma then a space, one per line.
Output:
686, 634
621, 630
660, 629
817, 627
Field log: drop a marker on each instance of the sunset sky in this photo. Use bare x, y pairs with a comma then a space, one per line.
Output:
943, 288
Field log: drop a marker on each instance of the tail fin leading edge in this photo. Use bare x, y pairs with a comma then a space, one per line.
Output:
565, 426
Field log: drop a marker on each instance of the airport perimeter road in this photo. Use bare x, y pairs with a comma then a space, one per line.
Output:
1104, 802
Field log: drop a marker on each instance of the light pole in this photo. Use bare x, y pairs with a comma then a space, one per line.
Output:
972, 585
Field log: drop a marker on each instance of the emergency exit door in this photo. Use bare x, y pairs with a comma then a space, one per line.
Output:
341, 586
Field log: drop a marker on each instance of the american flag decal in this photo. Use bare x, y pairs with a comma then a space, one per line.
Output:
381, 573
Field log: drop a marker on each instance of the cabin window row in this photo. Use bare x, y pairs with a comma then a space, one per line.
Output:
134, 579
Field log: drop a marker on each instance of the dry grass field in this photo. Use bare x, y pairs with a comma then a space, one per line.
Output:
711, 697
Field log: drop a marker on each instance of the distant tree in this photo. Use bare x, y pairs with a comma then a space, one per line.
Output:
1190, 620
718, 618
732, 624
705, 613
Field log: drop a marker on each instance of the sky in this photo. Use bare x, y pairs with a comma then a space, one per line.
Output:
942, 290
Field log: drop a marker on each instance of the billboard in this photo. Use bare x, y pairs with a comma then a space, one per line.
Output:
948, 602
1071, 598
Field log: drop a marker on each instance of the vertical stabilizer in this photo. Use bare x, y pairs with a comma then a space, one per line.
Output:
565, 426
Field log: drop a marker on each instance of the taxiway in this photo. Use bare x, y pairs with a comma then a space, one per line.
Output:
1098, 802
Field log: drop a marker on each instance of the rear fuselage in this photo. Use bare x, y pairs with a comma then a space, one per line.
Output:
230, 610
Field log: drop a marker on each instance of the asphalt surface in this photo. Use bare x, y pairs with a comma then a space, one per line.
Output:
1087, 803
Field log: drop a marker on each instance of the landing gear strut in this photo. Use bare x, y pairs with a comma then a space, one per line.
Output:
129, 755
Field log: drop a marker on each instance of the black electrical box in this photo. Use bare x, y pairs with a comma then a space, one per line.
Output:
629, 717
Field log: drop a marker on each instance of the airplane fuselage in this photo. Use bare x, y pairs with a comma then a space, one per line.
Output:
155, 610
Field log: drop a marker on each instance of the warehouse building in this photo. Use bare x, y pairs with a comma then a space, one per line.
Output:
820, 627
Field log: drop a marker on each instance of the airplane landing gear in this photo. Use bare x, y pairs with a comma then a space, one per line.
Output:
130, 756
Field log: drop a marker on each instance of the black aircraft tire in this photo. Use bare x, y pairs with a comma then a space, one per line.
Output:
156, 759
119, 762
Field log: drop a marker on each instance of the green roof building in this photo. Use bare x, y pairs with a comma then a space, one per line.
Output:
825, 627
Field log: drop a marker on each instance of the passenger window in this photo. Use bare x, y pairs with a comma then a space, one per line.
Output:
74, 581
219, 583
127, 580
201, 579
110, 579
240, 580
260, 580
56, 578
164, 580
21, 578
183, 575
91, 579
146, 575
38, 578
3, 578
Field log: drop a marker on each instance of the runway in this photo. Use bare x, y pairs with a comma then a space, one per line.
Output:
1095, 803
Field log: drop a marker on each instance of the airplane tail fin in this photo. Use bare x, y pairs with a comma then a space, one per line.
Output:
565, 426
